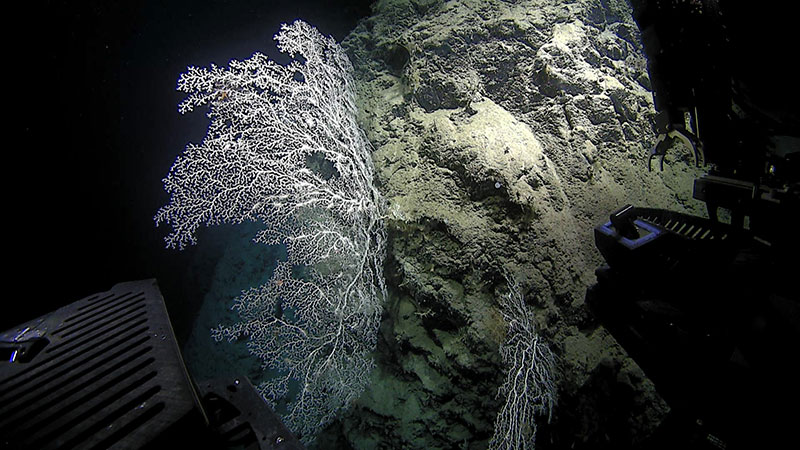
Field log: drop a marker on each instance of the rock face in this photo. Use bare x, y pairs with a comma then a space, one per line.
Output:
504, 132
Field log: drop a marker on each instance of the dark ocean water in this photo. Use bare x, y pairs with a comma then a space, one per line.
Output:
95, 127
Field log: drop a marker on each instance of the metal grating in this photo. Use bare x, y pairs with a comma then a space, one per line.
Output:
694, 228
103, 372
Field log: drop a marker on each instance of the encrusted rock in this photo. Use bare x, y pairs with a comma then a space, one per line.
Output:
503, 136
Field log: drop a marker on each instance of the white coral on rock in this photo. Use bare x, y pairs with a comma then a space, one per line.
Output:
284, 148
530, 388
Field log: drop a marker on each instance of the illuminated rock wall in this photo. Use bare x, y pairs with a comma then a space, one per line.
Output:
504, 132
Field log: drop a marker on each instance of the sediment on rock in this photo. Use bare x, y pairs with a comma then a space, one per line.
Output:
503, 133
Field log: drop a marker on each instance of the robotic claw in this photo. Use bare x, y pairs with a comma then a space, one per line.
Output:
668, 133
713, 337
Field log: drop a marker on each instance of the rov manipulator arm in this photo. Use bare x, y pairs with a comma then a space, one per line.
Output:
697, 72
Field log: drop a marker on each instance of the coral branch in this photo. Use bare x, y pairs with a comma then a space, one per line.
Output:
283, 148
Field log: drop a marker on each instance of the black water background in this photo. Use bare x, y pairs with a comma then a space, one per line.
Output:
94, 129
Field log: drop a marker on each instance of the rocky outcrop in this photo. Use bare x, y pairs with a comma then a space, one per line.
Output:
504, 131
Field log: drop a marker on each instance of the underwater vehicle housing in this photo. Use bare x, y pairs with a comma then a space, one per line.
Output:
106, 372
708, 306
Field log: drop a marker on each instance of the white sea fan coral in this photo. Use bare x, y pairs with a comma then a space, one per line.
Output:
529, 389
284, 148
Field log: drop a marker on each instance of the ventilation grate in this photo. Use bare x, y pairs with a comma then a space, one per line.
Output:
694, 228
103, 372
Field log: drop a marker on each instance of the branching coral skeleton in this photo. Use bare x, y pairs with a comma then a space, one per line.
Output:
268, 121
529, 389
